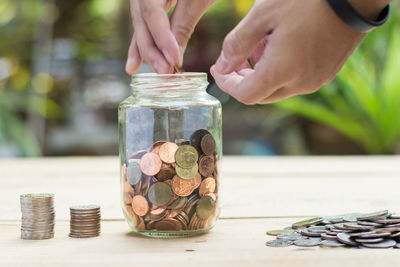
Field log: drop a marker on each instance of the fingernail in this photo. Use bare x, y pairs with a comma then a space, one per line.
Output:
222, 64
128, 63
168, 56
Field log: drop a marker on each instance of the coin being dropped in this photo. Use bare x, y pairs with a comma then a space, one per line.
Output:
206, 166
150, 164
160, 194
208, 144
187, 173
186, 156
312, 242
384, 244
167, 152
205, 207
140, 205
279, 232
279, 243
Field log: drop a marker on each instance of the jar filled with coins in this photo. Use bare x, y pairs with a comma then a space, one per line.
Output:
170, 148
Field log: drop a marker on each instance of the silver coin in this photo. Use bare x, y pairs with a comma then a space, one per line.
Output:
331, 243
367, 223
396, 234
387, 221
85, 207
355, 226
83, 236
311, 242
279, 243
374, 234
383, 244
394, 216
369, 240
345, 238
373, 215
307, 222
291, 237
328, 237
397, 245
307, 232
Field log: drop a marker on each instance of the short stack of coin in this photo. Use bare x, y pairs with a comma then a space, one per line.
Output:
173, 186
38, 216
85, 221
379, 229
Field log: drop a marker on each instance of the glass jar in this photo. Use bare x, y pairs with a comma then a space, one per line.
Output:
170, 145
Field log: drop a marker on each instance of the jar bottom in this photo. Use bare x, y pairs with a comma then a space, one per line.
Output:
172, 234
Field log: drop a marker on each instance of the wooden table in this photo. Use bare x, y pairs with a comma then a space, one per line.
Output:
258, 194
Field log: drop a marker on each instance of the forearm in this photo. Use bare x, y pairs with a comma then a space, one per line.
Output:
369, 8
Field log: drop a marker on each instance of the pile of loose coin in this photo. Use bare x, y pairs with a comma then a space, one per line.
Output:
85, 221
38, 216
172, 186
379, 229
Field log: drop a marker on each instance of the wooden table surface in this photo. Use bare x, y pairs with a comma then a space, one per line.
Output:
258, 194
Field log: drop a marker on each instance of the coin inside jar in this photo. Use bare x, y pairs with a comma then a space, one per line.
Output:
208, 144
165, 173
183, 187
186, 156
206, 166
140, 205
133, 172
205, 207
197, 136
150, 164
207, 186
186, 173
160, 194
167, 152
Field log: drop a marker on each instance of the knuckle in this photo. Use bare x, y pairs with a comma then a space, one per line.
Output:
231, 45
183, 32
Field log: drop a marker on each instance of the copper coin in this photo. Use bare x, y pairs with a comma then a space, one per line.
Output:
132, 216
167, 152
140, 205
207, 186
197, 136
208, 144
165, 225
212, 195
150, 164
183, 187
181, 142
206, 166
157, 211
165, 174
155, 148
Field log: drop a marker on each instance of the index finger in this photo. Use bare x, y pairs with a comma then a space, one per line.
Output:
157, 21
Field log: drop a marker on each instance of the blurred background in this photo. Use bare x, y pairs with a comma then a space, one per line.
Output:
62, 77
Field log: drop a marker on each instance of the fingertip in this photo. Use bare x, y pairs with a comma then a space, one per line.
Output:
132, 66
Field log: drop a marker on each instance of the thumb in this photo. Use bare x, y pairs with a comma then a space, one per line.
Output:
184, 19
242, 40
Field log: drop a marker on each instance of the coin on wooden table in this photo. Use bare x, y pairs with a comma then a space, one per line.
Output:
205, 207
140, 205
150, 164
183, 187
387, 221
186, 156
208, 144
369, 240
279, 243
291, 237
308, 222
187, 173
307, 232
311, 242
133, 171
207, 186
355, 226
279, 232
328, 237
160, 194
346, 239
167, 152
374, 234
206, 165
197, 136
383, 244
373, 215
395, 216
331, 243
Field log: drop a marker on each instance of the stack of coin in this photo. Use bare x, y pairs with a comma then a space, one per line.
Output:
37, 216
379, 229
85, 221
173, 186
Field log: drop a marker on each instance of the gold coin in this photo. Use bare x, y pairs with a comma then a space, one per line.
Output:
186, 156
187, 174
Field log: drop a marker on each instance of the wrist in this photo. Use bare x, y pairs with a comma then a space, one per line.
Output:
370, 9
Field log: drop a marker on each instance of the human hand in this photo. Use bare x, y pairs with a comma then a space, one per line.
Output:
158, 40
305, 46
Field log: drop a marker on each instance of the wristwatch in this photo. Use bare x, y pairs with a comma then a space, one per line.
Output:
351, 17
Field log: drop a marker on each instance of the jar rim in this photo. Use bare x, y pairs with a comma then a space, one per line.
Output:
172, 75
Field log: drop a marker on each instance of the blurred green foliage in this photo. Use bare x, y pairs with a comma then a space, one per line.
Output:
363, 102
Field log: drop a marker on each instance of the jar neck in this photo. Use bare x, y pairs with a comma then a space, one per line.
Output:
168, 85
